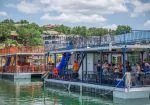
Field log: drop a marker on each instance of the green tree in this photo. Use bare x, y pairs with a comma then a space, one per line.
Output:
5, 29
63, 29
30, 34
10, 42
10, 21
122, 29
23, 22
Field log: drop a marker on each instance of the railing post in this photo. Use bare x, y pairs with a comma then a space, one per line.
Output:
32, 63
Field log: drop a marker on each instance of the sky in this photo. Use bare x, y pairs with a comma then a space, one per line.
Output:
90, 13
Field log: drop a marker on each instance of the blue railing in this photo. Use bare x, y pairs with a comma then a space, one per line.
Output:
142, 37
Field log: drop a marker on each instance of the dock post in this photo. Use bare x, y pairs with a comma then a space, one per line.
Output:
81, 89
69, 88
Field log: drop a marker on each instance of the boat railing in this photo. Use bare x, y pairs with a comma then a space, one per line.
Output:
140, 79
115, 79
23, 49
134, 37
23, 69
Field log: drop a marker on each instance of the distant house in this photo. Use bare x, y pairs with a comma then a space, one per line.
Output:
54, 40
13, 35
50, 26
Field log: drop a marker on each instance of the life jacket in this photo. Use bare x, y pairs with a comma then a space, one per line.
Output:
55, 72
75, 67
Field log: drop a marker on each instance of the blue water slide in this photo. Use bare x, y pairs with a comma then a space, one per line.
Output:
63, 63
65, 58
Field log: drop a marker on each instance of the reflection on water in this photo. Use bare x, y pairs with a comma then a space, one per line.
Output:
25, 92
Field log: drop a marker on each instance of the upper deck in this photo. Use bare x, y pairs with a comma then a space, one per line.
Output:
140, 37
22, 50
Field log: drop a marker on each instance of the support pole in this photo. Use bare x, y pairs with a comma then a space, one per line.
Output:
1, 61
86, 65
124, 63
82, 68
47, 58
55, 60
16, 63
32, 63
142, 56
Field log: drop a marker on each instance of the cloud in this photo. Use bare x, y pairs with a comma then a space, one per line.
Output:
147, 23
87, 6
80, 10
26, 7
89, 11
2, 13
139, 8
112, 26
75, 18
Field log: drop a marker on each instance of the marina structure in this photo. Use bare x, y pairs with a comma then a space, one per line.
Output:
21, 62
123, 54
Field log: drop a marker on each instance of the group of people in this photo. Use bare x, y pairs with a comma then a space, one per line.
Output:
108, 68
117, 70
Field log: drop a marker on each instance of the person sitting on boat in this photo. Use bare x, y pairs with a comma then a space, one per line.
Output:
116, 71
138, 73
105, 68
146, 67
99, 67
128, 78
75, 69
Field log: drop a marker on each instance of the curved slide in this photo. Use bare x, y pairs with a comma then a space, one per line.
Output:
63, 63
61, 66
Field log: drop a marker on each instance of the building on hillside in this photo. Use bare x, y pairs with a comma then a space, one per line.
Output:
13, 35
54, 40
50, 26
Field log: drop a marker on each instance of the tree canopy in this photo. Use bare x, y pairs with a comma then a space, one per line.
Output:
122, 29
30, 33
93, 31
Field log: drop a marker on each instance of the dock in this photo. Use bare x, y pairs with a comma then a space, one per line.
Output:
20, 75
122, 93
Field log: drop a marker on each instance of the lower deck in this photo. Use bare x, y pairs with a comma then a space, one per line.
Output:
20, 75
123, 93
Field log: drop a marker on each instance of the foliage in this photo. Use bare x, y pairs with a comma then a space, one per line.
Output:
30, 34
122, 29
5, 29
22, 22
84, 31
9, 21
10, 42
63, 29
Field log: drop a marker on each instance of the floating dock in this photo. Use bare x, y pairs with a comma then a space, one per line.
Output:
122, 93
20, 75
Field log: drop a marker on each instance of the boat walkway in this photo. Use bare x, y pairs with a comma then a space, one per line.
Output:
132, 93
